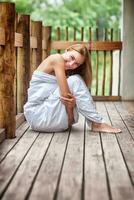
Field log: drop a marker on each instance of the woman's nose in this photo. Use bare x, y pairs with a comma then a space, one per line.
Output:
72, 62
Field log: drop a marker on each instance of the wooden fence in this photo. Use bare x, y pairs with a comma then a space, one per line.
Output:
23, 45
101, 46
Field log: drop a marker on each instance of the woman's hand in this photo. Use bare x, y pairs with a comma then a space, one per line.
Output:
69, 101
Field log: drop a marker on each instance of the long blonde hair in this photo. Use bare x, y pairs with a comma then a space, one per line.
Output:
84, 70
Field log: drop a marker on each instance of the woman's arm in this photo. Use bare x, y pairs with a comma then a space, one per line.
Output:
57, 63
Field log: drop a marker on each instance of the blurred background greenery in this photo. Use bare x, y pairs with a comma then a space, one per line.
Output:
78, 13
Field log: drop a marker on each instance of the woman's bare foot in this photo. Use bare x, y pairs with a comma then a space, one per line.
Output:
103, 127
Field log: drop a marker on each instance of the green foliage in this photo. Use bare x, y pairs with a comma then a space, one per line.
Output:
78, 13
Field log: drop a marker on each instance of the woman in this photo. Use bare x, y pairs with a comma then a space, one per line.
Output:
59, 91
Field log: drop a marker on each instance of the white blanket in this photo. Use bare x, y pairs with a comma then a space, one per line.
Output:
44, 110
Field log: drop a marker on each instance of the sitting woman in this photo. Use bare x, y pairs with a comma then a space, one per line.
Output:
59, 91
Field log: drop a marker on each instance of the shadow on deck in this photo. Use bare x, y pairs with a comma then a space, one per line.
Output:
71, 165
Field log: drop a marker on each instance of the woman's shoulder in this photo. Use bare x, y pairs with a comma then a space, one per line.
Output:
56, 58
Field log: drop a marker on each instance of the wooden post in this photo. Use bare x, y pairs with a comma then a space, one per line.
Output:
15, 77
23, 61
46, 33
7, 70
36, 52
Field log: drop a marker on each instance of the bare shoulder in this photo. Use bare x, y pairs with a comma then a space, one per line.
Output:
50, 63
56, 59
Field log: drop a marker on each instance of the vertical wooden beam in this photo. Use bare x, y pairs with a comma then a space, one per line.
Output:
36, 53
66, 34
23, 61
104, 63
74, 34
90, 52
82, 34
97, 62
111, 64
119, 79
38, 33
46, 34
7, 70
15, 77
58, 36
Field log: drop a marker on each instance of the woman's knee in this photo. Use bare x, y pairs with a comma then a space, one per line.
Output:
74, 78
76, 83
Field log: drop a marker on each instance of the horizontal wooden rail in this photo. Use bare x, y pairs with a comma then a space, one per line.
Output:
92, 45
18, 40
33, 42
107, 98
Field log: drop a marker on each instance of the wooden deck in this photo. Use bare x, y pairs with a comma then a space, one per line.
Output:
71, 166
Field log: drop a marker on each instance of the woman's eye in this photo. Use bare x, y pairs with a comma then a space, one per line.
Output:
72, 58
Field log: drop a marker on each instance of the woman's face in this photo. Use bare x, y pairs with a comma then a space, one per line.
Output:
73, 59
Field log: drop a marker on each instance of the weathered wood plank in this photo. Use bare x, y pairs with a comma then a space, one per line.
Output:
127, 142
95, 174
107, 98
92, 45
18, 40
2, 36
13, 160
127, 117
19, 119
7, 70
28, 169
119, 181
23, 61
2, 135
8, 144
46, 35
129, 105
47, 178
70, 186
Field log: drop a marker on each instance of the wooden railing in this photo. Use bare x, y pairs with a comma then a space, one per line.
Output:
101, 49
23, 45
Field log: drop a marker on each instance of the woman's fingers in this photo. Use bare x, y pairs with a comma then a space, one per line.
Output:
67, 103
66, 99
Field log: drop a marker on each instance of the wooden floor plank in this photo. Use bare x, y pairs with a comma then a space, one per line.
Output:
28, 169
20, 118
127, 116
2, 135
8, 144
70, 186
10, 164
47, 178
95, 175
125, 139
119, 181
129, 106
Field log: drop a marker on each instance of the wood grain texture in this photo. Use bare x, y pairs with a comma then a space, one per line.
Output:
114, 147
46, 181
13, 160
7, 70
70, 186
28, 169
